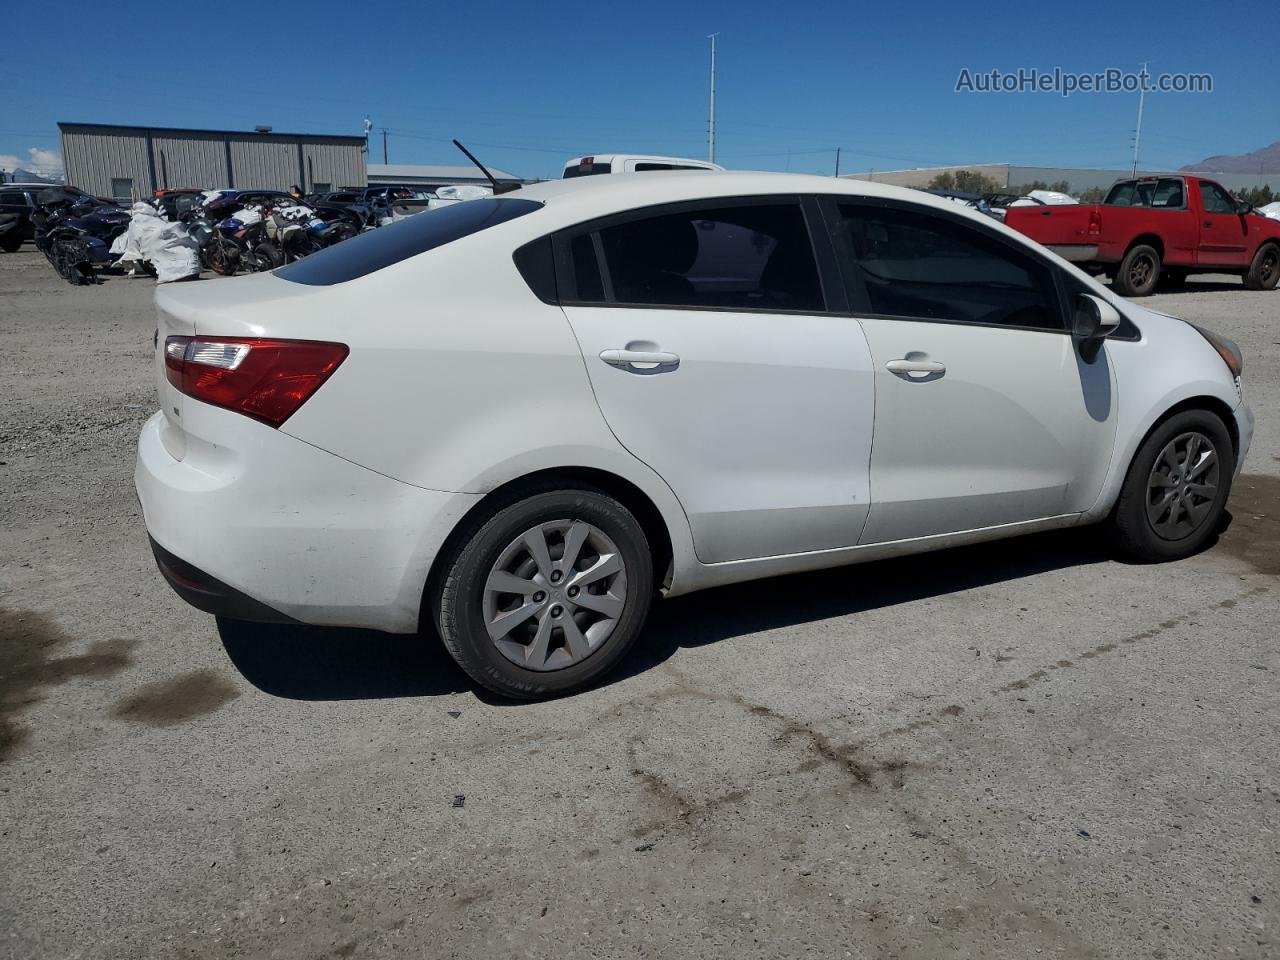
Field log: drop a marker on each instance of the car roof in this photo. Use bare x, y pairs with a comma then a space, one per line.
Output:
646, 157
672, 186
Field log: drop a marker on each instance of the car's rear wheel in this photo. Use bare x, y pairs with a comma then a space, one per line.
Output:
11, 242
547, 594
1138, 271
1264, 272
1176, 488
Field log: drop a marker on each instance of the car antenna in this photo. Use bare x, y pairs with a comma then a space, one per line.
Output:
497, 187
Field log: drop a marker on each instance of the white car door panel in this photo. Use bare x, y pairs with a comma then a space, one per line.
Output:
760, 423
1014, 428
985, 413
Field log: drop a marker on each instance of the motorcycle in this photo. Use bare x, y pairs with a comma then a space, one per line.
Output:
300, 232
75, 233
231, 245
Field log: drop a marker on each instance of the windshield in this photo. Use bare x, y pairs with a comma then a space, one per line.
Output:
384, 246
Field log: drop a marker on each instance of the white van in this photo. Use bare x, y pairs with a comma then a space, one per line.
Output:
631, 163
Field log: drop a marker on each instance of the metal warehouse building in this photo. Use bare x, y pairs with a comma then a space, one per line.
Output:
134, 162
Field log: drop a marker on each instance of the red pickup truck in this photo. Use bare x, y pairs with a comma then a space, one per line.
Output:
1155, 228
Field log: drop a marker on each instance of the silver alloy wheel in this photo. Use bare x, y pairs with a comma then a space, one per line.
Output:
1182, 486
555, 594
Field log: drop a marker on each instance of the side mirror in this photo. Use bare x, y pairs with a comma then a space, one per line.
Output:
1243, 207
1094, 320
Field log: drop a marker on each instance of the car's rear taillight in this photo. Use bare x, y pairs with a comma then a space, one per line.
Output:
1095, 223
264, 379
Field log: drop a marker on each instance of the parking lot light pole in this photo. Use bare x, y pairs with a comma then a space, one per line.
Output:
711, 128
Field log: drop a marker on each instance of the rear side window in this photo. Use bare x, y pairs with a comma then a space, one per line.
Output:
12, 197
384, 246
747, 257
921, 266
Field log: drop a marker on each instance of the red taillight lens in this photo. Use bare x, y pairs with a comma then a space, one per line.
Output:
1095, 223
264, 379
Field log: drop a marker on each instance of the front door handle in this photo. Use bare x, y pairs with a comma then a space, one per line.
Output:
917, 370
640, 361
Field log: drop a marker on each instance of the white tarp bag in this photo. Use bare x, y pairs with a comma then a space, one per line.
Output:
172, 253
464, 191
1271, 210
1052, 197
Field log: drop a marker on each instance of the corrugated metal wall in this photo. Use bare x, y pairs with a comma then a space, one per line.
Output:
264, 163
95, 156
337, 164
189, 160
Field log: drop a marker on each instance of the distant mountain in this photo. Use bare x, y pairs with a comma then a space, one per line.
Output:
26, 176
1266, 160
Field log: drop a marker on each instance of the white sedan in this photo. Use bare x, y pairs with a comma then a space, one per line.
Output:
515, 420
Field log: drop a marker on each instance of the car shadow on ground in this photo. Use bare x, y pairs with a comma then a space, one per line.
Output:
331, 663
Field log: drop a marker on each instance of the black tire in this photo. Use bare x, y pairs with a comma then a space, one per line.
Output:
268, 256
1173, 279
1264, 272
223, 259
1133, 530
1138, 272
458, 602
11, 241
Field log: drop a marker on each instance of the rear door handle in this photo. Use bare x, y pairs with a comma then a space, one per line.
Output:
926, 369
644, 359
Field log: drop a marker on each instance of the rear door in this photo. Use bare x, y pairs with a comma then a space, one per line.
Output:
985, 414
721, 358
1224, 234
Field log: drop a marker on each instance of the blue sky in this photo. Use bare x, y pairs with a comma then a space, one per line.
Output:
527, 85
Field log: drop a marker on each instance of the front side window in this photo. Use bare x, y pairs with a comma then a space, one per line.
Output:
13, 198
922, 266
1216, 200
735, 257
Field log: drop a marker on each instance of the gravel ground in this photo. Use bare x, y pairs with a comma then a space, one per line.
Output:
1024, 749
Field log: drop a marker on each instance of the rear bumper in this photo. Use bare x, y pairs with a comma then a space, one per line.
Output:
209, 593
1075, 252
266, 527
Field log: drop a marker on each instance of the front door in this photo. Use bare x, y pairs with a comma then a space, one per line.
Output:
1224, 234
714, 360
985, 414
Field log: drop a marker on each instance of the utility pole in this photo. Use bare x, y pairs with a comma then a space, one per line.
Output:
384, 146
1137, 132
837, 161
711, 128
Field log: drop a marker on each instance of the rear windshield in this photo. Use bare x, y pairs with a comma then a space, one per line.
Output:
399, 241
1164, 192
580, 170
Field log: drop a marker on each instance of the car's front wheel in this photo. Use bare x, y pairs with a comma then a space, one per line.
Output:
1264, 272
1176, 488
547, 594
